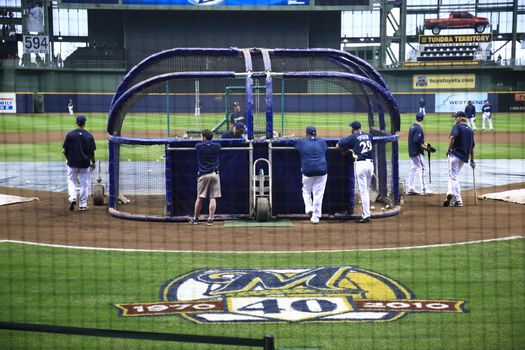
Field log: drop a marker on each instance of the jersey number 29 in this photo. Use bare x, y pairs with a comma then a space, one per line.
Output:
366, 146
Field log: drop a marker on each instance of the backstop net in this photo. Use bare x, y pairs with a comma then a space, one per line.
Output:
162, 105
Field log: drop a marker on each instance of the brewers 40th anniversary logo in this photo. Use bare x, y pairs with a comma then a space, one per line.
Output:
320, 294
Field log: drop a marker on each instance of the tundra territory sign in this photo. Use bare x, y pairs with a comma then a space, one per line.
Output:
319, 294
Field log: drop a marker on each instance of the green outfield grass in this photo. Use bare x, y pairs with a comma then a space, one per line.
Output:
76, 288
504, 122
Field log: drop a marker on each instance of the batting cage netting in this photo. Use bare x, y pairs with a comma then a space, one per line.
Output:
163, 103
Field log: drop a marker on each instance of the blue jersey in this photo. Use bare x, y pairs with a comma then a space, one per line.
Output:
207, 157
470, 111
487, 109
463, 141
313, 156
79, 148
359, 142
416, 138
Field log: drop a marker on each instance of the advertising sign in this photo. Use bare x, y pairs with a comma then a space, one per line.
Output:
219, 2
511, 102
453, 102
36, 44
7, 103
444, 81
454, 39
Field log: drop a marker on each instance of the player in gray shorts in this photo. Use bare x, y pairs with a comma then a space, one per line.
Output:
208, 183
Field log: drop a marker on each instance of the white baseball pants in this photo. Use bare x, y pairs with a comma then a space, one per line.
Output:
486, 118
364, 171
416, 173
313, 186
471, 122
454, 168
74, 176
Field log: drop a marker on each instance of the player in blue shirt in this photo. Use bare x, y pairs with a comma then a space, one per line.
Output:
470, 113
79, 148
362, 148
487, 115
208, 182
315, 172
416, 152
237, 116
460, 149
238, 130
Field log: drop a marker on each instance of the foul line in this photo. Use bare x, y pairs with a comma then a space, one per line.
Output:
265, 252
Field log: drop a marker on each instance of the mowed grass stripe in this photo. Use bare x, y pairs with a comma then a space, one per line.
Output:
76, 288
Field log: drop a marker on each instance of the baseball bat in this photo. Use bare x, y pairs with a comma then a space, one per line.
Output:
475, 190
429, 171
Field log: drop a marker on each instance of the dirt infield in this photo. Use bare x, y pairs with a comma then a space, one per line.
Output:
423, 221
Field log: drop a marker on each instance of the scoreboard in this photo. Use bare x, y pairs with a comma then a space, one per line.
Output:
228, 5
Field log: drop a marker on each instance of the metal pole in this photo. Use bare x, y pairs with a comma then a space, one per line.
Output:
269, 342
193, 149
168, 109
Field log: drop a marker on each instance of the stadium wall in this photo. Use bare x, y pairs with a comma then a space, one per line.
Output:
99, 103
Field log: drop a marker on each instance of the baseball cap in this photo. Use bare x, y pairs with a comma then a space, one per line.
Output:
355, 125
459, 114
236, 103
239, 126
311, 130
81, 120
420, 116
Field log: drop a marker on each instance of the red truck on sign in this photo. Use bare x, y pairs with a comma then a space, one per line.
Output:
457, 19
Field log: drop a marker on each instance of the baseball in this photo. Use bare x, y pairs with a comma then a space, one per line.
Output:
372, 207
383, 208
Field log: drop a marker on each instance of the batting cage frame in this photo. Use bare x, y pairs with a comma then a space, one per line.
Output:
324, 87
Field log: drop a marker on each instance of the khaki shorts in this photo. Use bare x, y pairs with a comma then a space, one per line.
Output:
209, 185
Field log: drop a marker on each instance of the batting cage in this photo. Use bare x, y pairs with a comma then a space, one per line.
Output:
163, 103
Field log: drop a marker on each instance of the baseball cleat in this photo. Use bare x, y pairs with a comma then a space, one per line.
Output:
314, 220
72, 205
209, 222
413, 193
193, 221
309, 213
363, 220
457, 204
446, 203
83, 208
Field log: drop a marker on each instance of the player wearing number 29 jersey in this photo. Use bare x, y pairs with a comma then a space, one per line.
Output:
360, 143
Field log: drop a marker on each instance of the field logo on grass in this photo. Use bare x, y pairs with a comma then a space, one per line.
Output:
331, 293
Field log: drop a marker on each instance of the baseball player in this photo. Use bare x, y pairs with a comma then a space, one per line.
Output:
416, 151
422, 104
237, 116
470, 113
460, 149
487, 115
238, 131
70, 107
362, 148
79, 148
208, 182
315, 172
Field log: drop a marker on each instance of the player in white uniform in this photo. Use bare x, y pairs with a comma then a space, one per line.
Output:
362, 148
487, 115
70, 107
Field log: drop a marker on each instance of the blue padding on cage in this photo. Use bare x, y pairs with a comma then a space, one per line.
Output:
287, 183
234, 176
150, 60
115, 119
174, 142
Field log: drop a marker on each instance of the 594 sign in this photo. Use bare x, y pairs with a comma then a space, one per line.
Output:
36, 44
